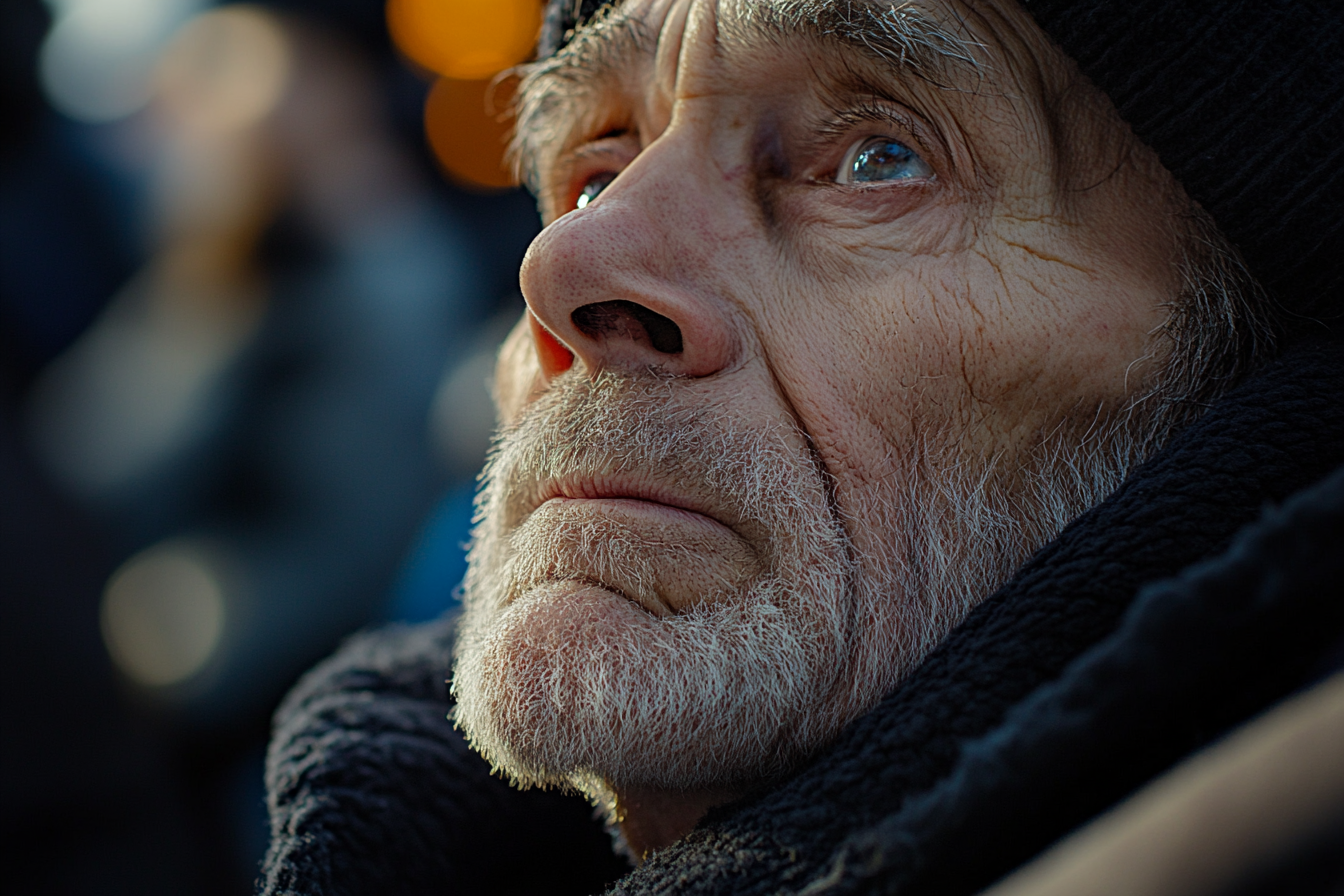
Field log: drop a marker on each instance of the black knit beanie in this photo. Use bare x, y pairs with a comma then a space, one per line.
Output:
1243, 100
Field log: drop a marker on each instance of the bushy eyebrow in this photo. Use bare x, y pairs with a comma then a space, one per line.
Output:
560, 93
905, 37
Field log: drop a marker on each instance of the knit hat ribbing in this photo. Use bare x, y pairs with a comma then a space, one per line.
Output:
560, 20
1243, 101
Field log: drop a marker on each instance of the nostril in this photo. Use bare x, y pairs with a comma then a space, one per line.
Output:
628, 320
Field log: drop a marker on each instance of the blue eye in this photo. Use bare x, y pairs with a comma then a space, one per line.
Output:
878, 159
595, 185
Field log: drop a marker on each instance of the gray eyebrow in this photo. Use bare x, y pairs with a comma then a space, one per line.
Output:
554, 92
905, 38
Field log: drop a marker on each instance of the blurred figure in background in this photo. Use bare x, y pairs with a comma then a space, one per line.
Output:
462, 420
225, 454
260, 429
90, 800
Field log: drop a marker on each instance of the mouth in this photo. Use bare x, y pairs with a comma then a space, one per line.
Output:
634, 494
661, 547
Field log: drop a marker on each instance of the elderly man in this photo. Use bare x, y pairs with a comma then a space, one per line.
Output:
877, 356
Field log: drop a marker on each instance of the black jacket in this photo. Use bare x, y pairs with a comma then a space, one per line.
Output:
1208, 587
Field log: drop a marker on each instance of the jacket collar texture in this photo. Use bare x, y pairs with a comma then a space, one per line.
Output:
1146, 629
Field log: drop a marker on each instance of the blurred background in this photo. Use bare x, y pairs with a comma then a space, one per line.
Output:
255, 261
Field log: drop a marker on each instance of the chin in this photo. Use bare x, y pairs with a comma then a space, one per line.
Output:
561, 678
573, 684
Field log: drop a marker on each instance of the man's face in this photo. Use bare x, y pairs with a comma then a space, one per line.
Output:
841, 309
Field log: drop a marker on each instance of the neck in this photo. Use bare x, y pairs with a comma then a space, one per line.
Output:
653, 819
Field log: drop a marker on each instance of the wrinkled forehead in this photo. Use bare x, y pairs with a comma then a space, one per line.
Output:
928, 35
639, 47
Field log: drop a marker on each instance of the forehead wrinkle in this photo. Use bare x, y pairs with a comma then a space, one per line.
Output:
561, 95
905, 38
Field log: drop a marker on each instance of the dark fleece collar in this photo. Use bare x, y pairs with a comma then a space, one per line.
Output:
1043, 708
1183, 670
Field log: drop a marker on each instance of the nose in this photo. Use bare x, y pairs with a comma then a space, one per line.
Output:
629, 282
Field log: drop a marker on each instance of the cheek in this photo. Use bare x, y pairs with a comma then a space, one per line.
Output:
954, 351
1057, 331
879, 325
881, 347
868, 371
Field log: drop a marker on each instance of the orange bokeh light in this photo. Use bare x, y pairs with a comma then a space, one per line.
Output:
469, 130
465, 39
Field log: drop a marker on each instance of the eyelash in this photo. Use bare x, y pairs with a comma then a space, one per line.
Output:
826, 135
588, 162
865, 114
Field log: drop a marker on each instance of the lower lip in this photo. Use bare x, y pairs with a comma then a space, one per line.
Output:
665, 538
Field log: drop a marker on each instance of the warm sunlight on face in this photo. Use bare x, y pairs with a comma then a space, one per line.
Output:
841, 310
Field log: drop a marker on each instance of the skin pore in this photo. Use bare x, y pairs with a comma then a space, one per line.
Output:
931, 257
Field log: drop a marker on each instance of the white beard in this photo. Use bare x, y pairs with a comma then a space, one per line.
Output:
561, 682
